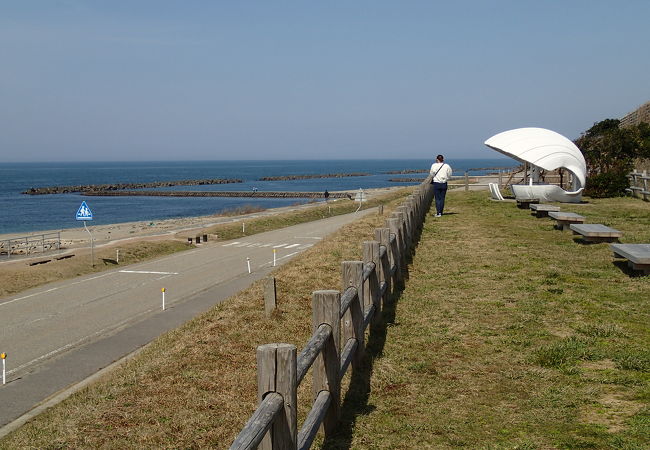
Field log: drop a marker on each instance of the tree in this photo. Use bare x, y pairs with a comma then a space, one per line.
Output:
610, 152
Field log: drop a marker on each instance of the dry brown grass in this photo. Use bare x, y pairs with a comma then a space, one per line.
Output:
19, 276
196, 386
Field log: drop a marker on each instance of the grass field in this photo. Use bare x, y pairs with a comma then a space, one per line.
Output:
507, 334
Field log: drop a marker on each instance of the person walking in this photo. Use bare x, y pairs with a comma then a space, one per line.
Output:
441, 172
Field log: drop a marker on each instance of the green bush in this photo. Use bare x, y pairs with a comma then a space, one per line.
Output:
607, 184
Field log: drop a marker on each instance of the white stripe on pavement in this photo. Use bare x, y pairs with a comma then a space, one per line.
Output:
148, 272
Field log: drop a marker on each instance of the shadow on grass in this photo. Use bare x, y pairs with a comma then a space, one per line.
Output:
355, 402
583, 241
626, 269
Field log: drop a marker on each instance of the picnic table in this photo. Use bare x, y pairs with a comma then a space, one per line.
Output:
637, 255
542, 209
595, 232
564, 219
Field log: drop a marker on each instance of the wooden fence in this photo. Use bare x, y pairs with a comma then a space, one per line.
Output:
339, 321
639, 184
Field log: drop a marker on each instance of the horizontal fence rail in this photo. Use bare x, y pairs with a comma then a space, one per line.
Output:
639, 185
27, 245
337, 317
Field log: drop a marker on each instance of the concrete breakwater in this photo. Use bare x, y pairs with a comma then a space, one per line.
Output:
120, 186
309, 177
406, 180
217, 194
407, 171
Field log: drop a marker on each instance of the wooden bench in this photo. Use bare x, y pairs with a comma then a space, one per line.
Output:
42, 261
637, 255
542, 209
595, 232
524, 203
564, 219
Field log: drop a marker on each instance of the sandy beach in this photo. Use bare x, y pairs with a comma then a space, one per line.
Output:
111, 234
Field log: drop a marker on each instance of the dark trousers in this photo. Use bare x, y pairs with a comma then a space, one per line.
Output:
439, 193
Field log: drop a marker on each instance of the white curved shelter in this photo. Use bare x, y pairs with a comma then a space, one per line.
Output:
543, 149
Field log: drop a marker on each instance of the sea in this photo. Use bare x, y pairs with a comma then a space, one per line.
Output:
22, 214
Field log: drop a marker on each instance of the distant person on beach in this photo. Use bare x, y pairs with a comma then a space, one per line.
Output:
441, 172
326, 195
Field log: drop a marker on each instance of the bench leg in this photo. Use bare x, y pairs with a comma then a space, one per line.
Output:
645, 268
599, 238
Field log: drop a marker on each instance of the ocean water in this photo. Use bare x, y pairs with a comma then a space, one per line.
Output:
22, 214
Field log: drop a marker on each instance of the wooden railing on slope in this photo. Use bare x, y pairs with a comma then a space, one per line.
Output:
639, 184
337, 317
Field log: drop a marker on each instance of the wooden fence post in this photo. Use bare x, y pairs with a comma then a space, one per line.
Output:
404, 225
270, 296
393, 225
276, 372
408, 229
402, 238
413, 211
326, 308
352, 320
371, 286
383, 236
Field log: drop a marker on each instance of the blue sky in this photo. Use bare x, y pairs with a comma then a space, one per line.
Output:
144, 80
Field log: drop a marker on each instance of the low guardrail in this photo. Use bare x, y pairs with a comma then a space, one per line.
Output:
38, 243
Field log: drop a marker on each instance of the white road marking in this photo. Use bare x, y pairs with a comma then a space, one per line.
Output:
302, 247
278, 259
280, 245
148, 272
232, 243
52, 289
292, 245
307, 237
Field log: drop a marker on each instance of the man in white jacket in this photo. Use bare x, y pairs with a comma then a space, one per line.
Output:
441, 172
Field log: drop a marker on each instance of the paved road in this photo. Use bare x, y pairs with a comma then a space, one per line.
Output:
59, 334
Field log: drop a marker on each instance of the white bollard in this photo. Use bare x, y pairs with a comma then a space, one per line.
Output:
4, 367
248, 262
117, 257
274, 252
243, 227
163, 298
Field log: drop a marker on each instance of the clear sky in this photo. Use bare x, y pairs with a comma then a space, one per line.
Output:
166, 80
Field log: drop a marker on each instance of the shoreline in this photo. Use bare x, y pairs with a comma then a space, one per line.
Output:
107, 234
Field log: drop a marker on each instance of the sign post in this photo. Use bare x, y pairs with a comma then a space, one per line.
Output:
360, 197
4, 367
84, 213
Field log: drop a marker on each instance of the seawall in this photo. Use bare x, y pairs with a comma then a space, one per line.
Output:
216, 194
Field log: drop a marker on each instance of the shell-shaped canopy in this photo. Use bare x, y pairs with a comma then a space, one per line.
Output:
541, 147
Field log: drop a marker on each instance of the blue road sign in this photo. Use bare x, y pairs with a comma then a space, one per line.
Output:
84, 212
